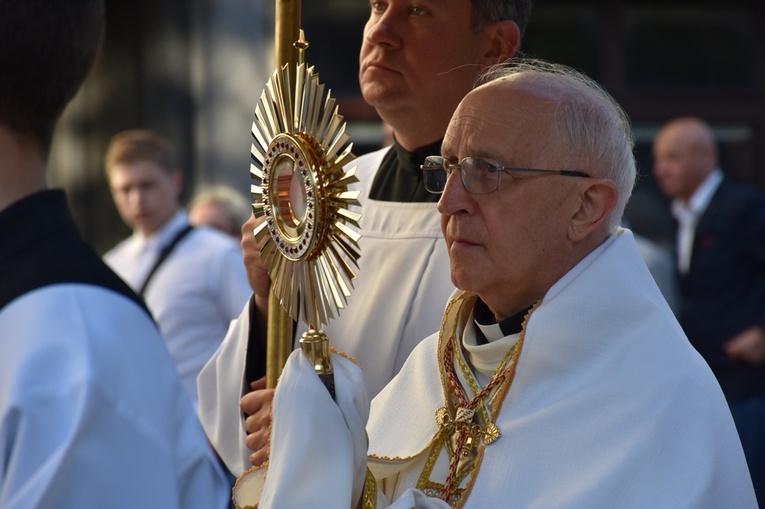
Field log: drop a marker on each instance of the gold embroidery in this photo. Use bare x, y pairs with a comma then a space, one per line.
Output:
431, 488
464, 436
369, 495
343, 354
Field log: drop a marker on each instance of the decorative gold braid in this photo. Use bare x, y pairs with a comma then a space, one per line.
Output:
424, 484
510, 356
456, 496
502, 391
504, 388
469, 433
448, 318
343, 354
369, 495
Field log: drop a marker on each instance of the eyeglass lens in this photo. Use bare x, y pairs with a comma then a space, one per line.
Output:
434, 174
477, 174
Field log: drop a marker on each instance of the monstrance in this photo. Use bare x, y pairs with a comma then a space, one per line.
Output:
300, 186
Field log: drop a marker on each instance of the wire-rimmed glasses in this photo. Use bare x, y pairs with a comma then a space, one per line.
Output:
480, 175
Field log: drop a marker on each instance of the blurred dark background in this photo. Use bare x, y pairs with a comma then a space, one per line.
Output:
194, 70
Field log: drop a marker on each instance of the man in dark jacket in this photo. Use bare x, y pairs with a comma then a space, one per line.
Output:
720, 250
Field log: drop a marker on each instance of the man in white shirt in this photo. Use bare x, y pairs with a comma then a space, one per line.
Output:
192, 279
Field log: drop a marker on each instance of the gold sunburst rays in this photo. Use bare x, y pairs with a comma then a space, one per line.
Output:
300, 186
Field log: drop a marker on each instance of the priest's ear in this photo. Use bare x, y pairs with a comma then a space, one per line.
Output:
598, 198
504, 39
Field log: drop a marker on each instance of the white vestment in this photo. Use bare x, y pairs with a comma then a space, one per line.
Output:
610, 407
93, 412
398, 298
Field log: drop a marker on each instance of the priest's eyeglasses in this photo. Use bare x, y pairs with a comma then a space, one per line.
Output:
480, 175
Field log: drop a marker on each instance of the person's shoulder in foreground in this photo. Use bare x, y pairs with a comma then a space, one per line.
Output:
92, 412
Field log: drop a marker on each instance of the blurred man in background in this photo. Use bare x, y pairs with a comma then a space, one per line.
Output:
220, 207
192, 279
720, 250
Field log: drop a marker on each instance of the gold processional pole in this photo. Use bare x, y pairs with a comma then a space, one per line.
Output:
279, 339
300, 185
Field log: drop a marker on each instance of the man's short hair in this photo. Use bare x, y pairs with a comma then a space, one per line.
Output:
587, 120
137, 145
46, 50
489, 11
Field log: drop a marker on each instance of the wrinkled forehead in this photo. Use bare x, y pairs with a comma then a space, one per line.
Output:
507, 120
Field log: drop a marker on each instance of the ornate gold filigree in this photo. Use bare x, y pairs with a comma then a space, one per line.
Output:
300, 186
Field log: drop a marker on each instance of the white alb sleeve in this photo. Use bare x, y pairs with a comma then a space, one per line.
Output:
318, 446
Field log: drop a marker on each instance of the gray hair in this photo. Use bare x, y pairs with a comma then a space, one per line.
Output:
234, 203
588, 122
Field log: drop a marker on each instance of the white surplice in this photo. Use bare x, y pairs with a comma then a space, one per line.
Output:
93, 412
397, 299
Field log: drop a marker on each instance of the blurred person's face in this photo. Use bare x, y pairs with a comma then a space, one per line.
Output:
508, 245
681, 161
214, 215
146, 195
418, 61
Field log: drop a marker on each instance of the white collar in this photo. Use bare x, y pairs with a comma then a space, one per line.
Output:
492, 331
700, 199
168, 230
485, 358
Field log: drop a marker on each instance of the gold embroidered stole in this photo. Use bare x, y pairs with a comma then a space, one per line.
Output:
466, 423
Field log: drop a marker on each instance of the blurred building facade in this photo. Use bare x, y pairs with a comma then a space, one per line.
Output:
194, 70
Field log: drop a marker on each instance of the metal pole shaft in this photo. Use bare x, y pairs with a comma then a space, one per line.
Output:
280, 340
287, 32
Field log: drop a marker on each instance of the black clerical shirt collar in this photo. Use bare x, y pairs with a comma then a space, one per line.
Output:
411, 161
483, 316
42, 246
399, 177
